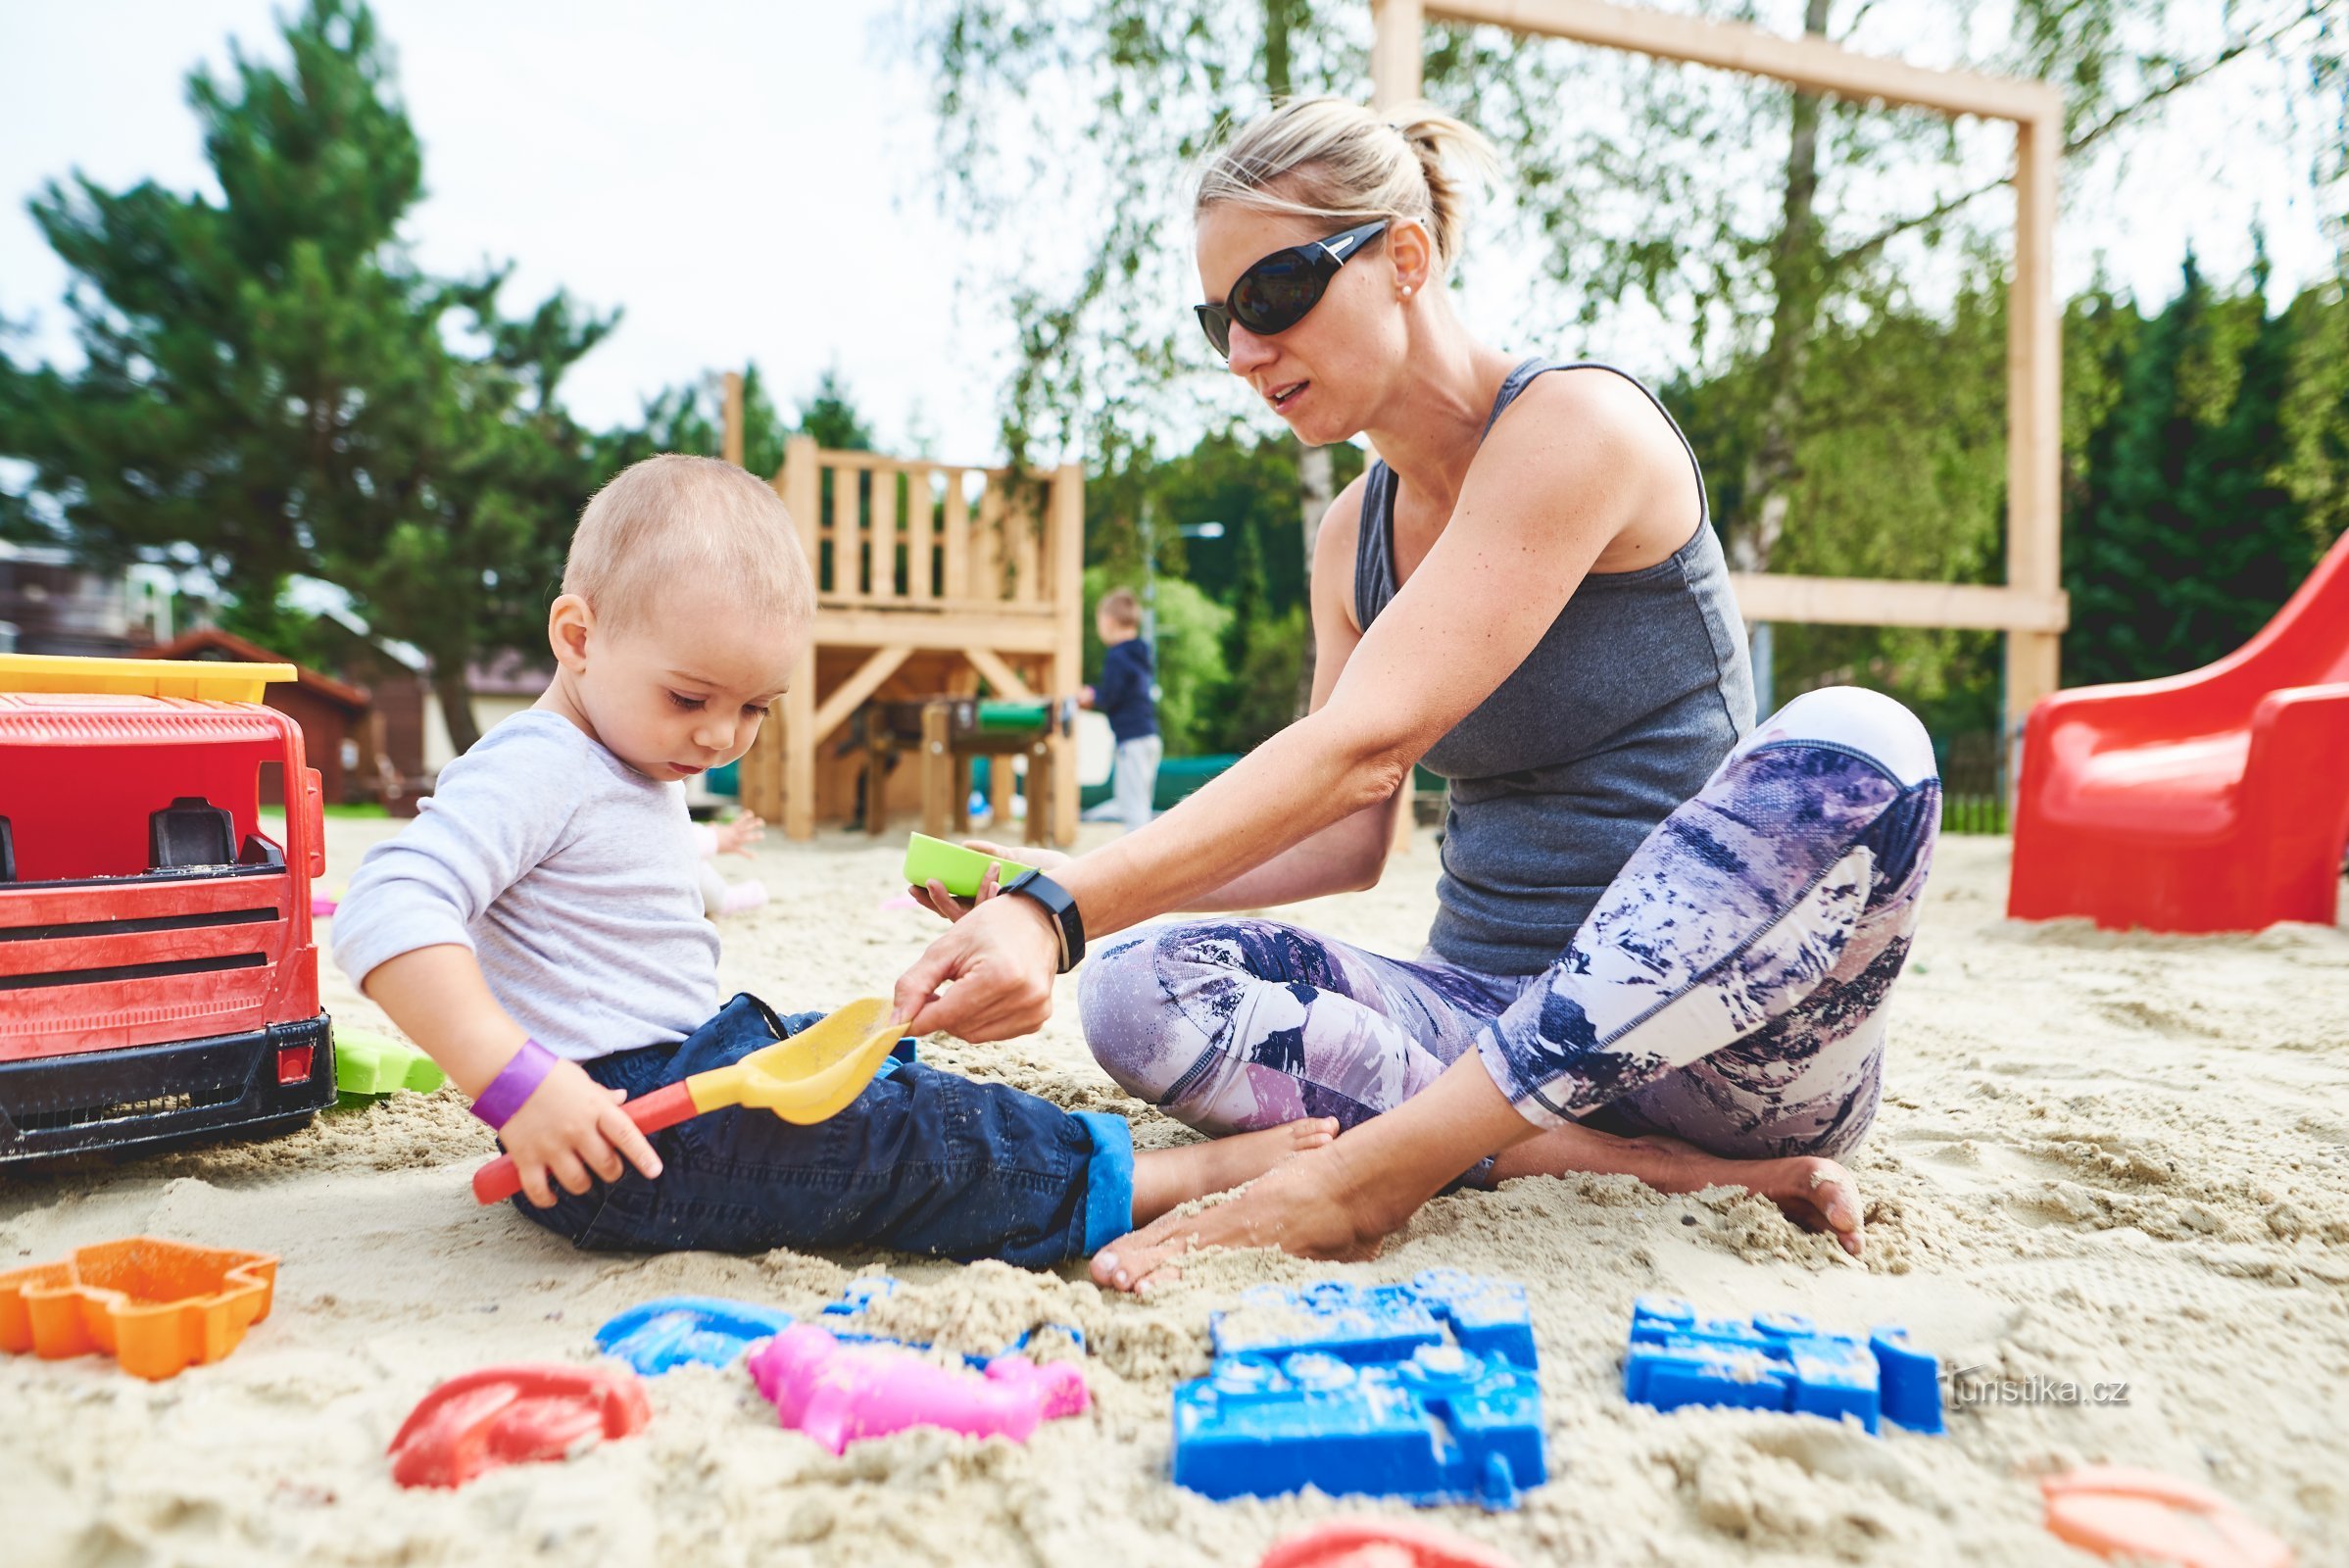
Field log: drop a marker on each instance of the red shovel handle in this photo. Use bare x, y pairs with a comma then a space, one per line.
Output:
665, 1106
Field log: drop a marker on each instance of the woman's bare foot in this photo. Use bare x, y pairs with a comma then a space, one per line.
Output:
1168, 1178
1814, 1192
1308, 1205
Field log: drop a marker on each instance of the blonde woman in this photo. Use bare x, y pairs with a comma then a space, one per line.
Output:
1665, 935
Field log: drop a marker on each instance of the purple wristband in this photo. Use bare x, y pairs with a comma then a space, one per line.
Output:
515, 1083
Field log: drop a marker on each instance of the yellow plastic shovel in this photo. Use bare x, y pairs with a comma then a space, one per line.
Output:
810, 1077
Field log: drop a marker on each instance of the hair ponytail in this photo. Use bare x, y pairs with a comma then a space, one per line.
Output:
1333, 160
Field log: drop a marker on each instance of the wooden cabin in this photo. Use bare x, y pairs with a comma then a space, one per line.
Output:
931, 578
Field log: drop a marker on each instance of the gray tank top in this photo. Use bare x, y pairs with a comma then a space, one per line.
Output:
1617, 716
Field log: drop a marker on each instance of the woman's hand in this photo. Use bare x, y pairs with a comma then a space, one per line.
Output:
569, 1126
989, 977
938, 901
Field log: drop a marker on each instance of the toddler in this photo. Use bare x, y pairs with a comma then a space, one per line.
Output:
538, 930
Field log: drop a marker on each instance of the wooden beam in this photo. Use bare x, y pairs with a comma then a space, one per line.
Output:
1397, 26
801, 498
851, 693
1861, 601
2034, 551
1065, 529
730, 443
1809, 63
1000, 675
917, 627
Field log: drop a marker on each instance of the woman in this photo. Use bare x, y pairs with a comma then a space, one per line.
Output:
1665, 936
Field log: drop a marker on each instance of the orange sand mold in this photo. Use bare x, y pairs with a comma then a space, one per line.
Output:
157, 1306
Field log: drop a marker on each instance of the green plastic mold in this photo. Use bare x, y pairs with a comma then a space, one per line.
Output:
929, 859
371, 1065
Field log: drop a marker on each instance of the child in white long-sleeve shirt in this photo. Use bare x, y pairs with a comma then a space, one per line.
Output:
538, 931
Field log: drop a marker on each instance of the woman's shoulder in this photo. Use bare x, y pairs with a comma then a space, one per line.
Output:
1598, 399
1591, 431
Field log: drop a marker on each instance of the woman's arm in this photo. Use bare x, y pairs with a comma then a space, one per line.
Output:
1556, 481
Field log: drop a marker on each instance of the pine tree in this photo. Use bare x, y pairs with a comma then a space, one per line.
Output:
2185, 543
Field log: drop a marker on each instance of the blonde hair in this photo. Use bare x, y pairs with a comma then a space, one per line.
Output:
1334, 159
1122, 608
680, 520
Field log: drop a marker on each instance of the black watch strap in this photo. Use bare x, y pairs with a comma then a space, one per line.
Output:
1060, 906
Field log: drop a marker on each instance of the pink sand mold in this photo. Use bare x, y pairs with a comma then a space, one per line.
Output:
843, 1394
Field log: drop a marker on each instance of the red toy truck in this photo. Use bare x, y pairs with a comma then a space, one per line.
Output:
156, 975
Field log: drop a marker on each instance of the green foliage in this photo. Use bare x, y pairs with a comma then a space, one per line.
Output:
2204, 450
830, 415
2187, 538
1255, 571
2314, 412
1188, 652
272, 384
691, 418
1265, 691
262, 617
1744, 215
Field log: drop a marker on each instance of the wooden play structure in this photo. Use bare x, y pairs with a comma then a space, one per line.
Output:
931, 577
2030, 608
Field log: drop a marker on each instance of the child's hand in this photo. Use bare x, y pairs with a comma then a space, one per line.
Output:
569, 1126
1084, 696
737, 837
938, 901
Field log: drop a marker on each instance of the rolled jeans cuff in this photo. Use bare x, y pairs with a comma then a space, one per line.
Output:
1108, 1179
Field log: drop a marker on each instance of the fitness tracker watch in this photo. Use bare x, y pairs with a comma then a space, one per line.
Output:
1060, 906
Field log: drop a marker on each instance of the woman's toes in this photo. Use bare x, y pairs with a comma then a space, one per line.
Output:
1832, 1193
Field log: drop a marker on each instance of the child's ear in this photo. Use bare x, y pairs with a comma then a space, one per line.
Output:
569, 621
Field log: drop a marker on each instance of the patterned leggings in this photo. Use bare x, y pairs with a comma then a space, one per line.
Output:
1727, 988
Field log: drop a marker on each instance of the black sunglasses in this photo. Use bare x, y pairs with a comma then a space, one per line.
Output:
1278, 292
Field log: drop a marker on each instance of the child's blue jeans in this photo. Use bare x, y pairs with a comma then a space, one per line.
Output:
923, 1162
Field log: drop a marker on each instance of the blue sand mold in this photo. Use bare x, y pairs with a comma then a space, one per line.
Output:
1425, 1391
1778, 1362
660, 1336
676, 1329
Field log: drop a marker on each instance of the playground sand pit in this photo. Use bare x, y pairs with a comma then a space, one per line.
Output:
2114, 1165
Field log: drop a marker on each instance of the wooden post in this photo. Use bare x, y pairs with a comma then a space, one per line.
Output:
800, 498
1065, 531
937, 772
2035, 422
1397, 26
730, 442
956, 548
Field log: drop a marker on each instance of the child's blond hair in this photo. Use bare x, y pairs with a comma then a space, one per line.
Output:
1120, 609
681, 519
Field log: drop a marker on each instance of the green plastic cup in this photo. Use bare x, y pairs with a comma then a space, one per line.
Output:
929, 859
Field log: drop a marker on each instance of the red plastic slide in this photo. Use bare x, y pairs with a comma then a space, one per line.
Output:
2213, 801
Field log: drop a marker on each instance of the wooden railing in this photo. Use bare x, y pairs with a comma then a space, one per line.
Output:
897, 534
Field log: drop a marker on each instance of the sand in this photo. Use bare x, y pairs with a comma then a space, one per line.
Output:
2103, 1159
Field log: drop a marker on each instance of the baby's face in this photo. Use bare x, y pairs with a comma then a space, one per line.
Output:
679, 692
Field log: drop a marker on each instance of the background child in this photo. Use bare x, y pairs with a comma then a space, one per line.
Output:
713, 839
1123, 696
538, 931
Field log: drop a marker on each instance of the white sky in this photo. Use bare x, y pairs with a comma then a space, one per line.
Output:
747, 180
